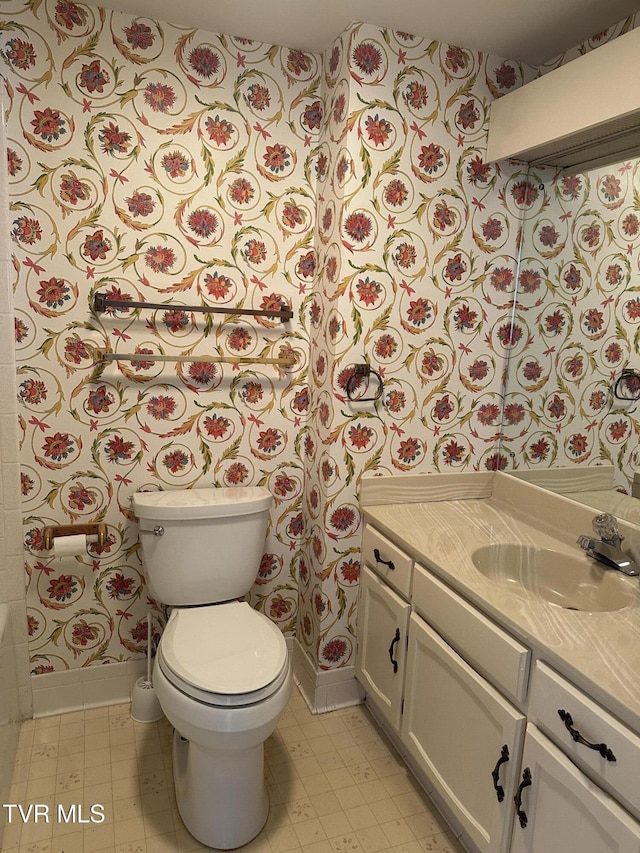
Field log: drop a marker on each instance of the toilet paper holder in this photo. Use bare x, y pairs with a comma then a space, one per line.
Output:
95, 529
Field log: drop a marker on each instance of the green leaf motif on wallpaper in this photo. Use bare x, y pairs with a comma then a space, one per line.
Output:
367, 168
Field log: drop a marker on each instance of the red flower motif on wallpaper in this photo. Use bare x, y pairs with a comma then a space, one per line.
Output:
358, 226
217, 426
312, 117
255, 251
62, 587
48, 124
219, 130
368, 291
237, 474
367, 58
21, 54
478, 172
139, 36
81, 497
258, 97
113, 140
204, 61
514, 413
386, 346
26, 230
431, 158
279, 607
524, 193
120, 586
350, 571
82, 633
479, 370
96, 246
396, 193
416, 95
505, 76
159, 97
456, 58
69, 14
140, 204
118, 449
175, 461
93, 77
277, 158
175, 164
299, 62
58, 446
161, 407
334, 651
378, 129
468, 115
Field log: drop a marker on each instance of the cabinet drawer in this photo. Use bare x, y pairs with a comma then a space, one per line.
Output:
387, 560
499, 657
550, 694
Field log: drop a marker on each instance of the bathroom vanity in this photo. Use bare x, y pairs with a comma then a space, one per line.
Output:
503, 662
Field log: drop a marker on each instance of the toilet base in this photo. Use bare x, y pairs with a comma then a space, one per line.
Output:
221, 794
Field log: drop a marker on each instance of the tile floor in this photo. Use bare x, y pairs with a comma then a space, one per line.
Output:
336, 786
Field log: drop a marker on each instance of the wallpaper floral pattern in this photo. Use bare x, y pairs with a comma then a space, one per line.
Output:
417, 240
154, 163
577, 321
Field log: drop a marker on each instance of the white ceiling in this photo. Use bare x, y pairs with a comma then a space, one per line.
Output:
533, 31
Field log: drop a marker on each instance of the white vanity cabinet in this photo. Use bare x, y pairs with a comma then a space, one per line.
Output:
484, 737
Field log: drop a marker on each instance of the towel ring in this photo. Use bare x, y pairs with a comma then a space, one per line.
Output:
354, 380
627, 385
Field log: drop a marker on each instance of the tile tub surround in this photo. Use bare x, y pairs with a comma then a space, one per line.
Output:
335, 785
599, 652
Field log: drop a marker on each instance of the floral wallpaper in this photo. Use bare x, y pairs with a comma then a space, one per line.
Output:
155, 164
576, 324
417, 240
182, 168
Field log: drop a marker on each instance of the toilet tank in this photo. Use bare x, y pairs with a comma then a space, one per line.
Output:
201, 546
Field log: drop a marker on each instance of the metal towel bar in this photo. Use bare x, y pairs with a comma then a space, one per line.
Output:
101, 302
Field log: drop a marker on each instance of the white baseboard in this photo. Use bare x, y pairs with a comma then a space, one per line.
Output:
324, 690
112, 684
87, 687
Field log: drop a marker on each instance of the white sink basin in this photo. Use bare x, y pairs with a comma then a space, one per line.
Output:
572, 582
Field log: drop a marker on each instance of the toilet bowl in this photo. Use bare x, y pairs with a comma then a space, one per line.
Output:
222, 673
223, 706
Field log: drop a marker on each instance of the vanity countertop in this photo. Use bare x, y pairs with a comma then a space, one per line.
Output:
599, 652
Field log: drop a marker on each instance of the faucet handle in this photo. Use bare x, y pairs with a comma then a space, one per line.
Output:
605, 526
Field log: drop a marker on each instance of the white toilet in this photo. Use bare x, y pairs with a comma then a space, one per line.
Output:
222, 672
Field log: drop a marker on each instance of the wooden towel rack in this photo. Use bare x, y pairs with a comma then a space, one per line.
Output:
102, 355
101, 302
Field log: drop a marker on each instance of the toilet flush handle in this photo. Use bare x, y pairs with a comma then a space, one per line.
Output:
158, 530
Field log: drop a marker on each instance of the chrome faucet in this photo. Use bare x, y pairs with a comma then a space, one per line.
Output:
606, 527
607, 549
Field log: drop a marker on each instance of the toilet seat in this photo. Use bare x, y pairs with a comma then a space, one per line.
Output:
223, 654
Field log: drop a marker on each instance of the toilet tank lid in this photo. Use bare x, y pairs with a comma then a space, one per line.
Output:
211, 502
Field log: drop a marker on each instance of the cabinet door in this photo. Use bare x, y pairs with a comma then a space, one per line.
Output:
565, 811
383, 618
462, 733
